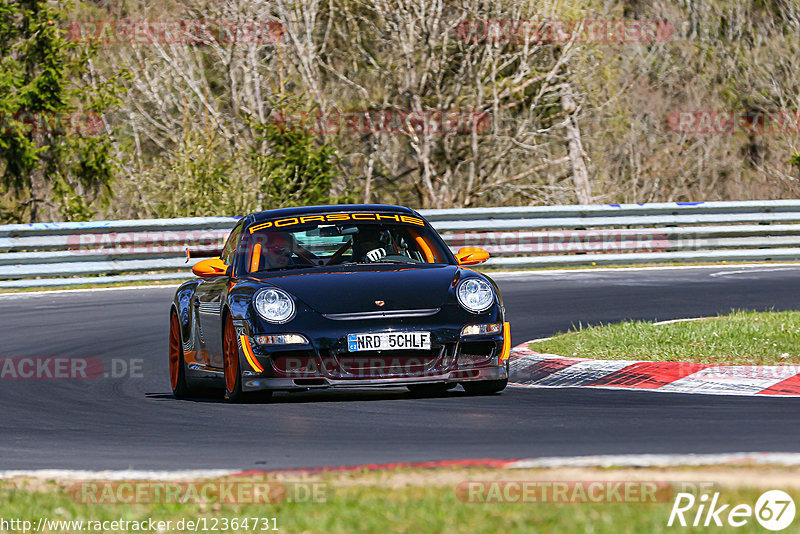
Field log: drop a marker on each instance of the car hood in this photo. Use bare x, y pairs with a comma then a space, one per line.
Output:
352, 291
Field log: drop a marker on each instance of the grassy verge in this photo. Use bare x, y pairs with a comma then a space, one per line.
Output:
740, 338
415, 501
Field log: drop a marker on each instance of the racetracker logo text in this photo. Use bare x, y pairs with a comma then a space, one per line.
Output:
67, 368
362, 367
189, 32
146, 242
565, 31
390, 121
565, 492
716, 122
40, 122
149, 492
578, 241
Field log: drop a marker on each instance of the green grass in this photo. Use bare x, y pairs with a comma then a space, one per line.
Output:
741, 338
373, 507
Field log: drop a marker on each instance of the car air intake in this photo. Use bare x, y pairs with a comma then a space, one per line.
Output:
475, 352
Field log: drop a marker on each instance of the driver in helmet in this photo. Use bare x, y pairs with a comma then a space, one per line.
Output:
276, 250
370, 245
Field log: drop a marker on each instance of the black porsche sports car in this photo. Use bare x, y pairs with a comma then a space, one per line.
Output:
338, 297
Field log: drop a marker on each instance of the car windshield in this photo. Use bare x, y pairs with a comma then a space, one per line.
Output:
323, 242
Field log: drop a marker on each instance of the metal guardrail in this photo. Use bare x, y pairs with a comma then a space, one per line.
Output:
63, 254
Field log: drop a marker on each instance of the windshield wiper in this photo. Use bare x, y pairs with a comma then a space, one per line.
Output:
375, 262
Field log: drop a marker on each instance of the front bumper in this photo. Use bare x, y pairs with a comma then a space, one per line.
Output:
495, 372
326, 361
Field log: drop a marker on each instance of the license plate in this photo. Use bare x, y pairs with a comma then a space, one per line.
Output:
389, 341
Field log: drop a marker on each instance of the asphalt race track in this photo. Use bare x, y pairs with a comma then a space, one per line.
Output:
133, 422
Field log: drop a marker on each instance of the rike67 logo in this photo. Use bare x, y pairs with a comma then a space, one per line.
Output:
774, 510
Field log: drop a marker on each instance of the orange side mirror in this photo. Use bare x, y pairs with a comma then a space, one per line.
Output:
471, 256
210, 268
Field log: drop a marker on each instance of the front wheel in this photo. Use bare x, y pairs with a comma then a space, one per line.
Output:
485, 387
230, 359
177, 363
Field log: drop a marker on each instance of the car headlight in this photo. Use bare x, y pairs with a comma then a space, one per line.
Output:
282, 339
481, 329
475, 295
274, 305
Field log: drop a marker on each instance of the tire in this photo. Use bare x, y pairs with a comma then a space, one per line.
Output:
177, 363
425, 390
485, 387
232, 371
230, 363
